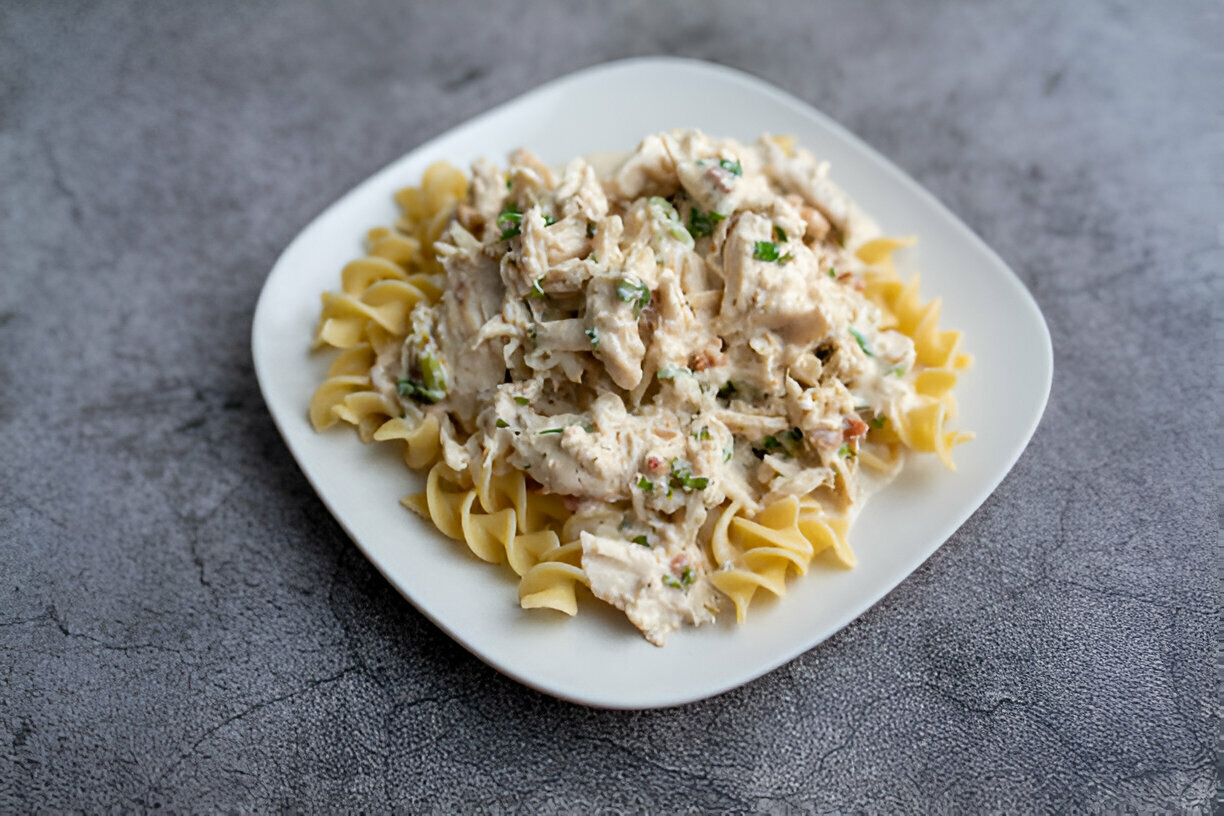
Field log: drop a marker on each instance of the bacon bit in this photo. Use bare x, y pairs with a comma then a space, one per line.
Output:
720, 178
855, 428
707, 359
654, 463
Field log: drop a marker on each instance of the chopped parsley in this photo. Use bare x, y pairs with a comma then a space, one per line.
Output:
593, 336
729, 452
641, 540
862, 342
537, 291
636, 293
552, 431
704, 433
897, 371
701, 224
501, 423
846, 451
732, 166
522, 400
683, 478
687, 579
645, 484
877, 422
549, 220
510, 220
727, 391
787, 442
780, 233
766, 251
590, 229
832, 272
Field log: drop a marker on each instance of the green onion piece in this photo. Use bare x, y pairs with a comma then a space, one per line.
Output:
590, 229
732, 166
878, 422
549, 220
704, 433
787, 258
537, 291
779, 233
832, 272
636, 293
552, 431
845, 451
897, 371
688, 577
728, 453
510, 220
522, 400
641, 540
501, 423
645, 484
593, 336
702, 224
765, 251
672, 582
862, 343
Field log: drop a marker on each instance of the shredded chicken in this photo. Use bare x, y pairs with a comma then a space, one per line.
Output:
684, 331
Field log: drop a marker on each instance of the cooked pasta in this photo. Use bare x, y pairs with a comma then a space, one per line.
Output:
662, 382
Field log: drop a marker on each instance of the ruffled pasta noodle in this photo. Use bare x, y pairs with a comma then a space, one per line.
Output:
659, 384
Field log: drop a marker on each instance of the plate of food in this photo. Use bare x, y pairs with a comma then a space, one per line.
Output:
656, 394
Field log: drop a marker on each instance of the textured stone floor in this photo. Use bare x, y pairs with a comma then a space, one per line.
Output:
184, 627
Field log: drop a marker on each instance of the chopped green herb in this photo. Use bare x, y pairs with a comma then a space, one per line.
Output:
593, 336
501, 423
636, 293
537, 291
509, 182
430, 387
727, 390
787, 258
671, 372
765, 251
549, 220
590, 229
688, 577
682, 477
779, 233
701, 224
728, 453
511, 221
732, 166
878, 422
672, 582
552, 431
794, 435
704, 433
645, 484
832, 272
897, 371
862, 343
846, 452
522, 400
641, 540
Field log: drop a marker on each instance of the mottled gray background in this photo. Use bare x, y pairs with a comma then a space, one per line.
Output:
184, 627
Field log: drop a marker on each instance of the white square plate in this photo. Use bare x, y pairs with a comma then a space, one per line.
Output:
597, 658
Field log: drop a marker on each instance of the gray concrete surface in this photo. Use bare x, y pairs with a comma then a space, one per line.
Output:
182, 625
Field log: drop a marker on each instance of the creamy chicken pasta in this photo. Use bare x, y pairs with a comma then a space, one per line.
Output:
665, 379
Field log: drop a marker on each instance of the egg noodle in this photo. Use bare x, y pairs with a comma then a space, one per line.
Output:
665, 382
